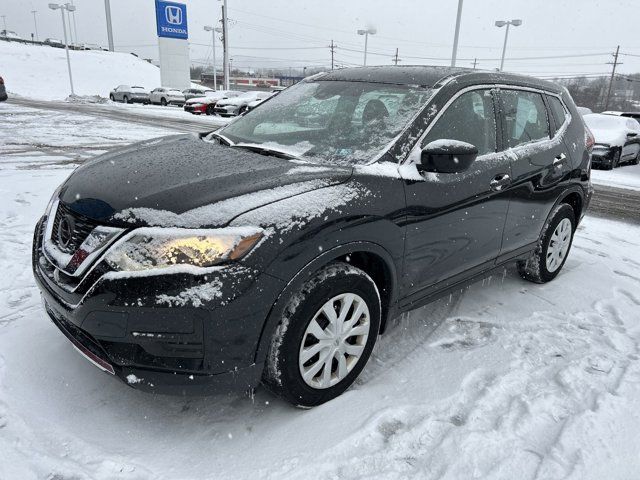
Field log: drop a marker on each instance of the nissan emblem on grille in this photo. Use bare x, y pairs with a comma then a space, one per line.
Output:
65, 231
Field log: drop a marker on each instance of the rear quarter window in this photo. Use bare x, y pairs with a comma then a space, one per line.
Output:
558, 111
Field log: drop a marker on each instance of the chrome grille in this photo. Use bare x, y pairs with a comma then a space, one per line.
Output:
81, 228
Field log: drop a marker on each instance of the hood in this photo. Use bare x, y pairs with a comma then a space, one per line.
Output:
163, 181
236, 100
205, 100
609, 136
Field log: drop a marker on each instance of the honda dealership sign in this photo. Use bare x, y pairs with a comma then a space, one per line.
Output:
171, 19
171, 24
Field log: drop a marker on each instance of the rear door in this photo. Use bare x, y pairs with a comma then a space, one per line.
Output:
540, 162
455, 220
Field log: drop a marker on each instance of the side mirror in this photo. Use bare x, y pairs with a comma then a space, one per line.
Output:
447, 156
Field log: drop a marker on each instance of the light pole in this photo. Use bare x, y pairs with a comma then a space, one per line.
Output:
69, 8
225, 45
213, 31
71, 40
366, 32
454, 54
35, 23
4, 20
508, 23
107, 11
75, 27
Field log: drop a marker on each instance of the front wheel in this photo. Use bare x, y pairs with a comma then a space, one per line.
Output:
163, 102
112, 98
549, 257
325, 337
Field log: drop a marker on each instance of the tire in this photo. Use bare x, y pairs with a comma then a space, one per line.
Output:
125, 99
112, 98
304, 325
544, 265
210, 110
163, 102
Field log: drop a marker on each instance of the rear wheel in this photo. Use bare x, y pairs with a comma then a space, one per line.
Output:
125, 99
210, 109
615, 162
549, 257
325, 337
163, 102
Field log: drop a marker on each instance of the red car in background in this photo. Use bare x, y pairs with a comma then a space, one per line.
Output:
207, 103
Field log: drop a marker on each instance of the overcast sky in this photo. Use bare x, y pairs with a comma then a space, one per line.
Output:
283, 33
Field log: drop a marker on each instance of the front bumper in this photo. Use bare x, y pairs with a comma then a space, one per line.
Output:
152, 336
227, 111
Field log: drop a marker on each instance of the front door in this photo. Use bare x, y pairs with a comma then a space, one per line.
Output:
455, 220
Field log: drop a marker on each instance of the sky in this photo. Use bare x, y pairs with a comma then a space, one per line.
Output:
296, 33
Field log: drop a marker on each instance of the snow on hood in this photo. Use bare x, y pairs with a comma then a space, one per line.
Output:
212, 98
183, 181
607, 129
241, 100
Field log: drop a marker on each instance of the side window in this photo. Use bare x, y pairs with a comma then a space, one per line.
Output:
557, 110
525, 117
470, 118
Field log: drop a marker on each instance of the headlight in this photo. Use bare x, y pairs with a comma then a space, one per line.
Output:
147, 248
52, 200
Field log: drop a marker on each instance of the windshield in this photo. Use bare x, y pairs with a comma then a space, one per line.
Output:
330, 121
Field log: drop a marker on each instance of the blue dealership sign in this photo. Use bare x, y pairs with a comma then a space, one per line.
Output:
171, 19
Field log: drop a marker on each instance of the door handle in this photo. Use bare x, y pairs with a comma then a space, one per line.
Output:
560, 158
499, 182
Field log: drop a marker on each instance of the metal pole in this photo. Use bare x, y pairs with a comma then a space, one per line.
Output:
366, 39
70, 29
613, 73
4, 20
225, 40
75, 27
504, 47
66, 48
454, 54
35, 23
215, 71
107, 10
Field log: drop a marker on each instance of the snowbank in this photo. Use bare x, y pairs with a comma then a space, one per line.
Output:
626, 176
41, 72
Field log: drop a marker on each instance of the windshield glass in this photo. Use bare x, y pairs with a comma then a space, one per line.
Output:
330, 121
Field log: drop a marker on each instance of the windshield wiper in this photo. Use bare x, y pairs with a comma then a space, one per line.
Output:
263, 150
223, 140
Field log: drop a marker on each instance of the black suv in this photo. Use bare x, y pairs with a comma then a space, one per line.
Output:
277, 247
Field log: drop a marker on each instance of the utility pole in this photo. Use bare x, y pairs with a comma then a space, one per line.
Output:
475, 62
107, 10
225, 45
35, 23
71, 40
395, 58
454, 54
613, 73
4, 20
333, 49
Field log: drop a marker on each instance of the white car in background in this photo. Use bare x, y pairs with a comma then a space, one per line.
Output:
584, 111
617, 140
207, 103
232, 107
166, 96
262, 96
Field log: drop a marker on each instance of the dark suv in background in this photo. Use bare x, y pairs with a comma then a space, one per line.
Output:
277, 247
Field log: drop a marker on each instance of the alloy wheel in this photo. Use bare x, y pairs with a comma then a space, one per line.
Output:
559, 245
334, 341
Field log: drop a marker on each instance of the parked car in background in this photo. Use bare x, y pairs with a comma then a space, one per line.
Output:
92, 46
54, 42
10, 34
617, 140
584, 110
3, 90
262, 96
231, 107
129, 94
634, 115
207, 103
190, 93
166, 96
234, 264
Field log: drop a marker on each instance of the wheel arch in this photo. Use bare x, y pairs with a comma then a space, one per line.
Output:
372, 258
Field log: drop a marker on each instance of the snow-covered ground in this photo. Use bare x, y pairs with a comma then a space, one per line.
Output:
505, 380
40, 72
626, 176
